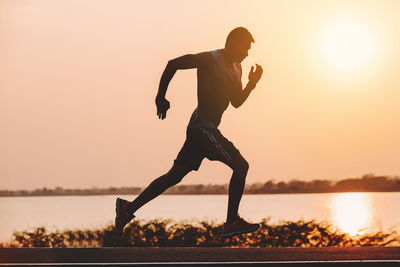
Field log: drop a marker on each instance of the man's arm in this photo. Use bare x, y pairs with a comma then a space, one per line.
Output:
240, 96
189, 61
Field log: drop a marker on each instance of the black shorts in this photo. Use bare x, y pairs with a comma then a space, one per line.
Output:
205, 143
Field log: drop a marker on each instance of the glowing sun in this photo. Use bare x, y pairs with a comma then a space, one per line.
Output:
347, 45
352, 212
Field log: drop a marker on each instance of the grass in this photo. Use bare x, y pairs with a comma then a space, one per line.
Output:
168, 233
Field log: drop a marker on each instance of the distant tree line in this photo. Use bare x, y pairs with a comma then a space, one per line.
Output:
59, 191
367, 183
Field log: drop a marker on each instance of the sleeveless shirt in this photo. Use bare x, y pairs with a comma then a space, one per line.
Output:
216, 83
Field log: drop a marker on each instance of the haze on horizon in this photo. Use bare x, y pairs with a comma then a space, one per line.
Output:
78, 81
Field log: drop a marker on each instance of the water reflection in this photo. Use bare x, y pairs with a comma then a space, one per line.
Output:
352, 212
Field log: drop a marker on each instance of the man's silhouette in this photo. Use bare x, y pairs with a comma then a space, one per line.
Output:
219, 83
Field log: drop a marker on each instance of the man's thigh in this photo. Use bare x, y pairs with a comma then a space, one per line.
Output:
190, 156
215, 146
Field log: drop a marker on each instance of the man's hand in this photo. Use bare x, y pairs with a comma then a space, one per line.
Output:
162, 107
255, 76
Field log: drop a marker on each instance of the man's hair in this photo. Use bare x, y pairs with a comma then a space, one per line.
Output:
239, 34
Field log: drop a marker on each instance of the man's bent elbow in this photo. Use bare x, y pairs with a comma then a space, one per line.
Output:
170, 69
171, 65
236, 104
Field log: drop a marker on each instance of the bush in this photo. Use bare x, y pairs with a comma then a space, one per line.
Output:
167, 233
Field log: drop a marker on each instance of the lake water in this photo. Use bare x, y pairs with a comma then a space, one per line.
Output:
353, 213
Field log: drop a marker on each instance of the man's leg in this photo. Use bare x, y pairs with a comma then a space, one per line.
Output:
188, 159
234, 223
217, 147
236, 186
159, 185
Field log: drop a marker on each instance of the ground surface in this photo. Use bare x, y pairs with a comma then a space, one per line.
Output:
180, 254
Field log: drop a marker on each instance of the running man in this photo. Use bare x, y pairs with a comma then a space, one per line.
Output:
219, 83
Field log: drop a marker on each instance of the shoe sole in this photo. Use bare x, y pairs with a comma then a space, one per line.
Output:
242, 232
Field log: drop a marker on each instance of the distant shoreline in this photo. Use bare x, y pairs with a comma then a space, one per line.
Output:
193, 194
366, 184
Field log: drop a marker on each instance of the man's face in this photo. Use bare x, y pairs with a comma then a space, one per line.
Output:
240, 51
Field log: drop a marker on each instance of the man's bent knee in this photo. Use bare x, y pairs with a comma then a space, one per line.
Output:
240, 165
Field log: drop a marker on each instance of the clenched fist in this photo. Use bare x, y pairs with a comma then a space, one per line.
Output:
162, 107
255, 76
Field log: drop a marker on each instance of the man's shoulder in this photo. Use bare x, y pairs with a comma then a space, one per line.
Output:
217, 54
206, 58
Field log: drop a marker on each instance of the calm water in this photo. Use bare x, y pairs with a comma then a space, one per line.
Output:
351, 212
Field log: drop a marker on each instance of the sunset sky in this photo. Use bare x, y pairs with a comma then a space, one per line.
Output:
78, 81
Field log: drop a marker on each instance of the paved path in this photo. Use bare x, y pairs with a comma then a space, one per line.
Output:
181, 254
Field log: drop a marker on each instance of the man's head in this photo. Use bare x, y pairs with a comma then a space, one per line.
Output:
238, 44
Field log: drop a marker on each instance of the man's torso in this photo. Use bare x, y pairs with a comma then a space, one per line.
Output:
216, 81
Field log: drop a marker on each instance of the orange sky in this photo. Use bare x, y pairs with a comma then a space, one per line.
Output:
78, 81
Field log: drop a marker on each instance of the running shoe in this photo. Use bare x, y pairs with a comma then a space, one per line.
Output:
239, 226
122, 217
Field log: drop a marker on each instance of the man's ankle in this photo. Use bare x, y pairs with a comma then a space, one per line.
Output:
131, 210
231, 219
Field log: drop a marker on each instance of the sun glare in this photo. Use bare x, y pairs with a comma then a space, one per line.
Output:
352, 212
347, 45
